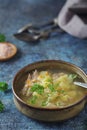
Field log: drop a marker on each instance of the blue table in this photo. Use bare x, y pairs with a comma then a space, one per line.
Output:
15, 14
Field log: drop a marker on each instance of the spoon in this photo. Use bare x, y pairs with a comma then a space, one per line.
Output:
34, 33
35, 28
29, 37
84, 85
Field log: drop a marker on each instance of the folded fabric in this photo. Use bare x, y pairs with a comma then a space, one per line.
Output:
73, 18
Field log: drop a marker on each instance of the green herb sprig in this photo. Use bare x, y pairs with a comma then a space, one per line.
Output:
44, 103
3, 88
33, 100
37, 88
1, 106
72, 76
51, 87
2, 38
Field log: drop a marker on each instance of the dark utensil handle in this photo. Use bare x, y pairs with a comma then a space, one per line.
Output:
38, 27
54, 29
47, 33
49, 23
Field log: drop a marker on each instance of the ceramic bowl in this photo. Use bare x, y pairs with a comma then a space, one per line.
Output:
47, 114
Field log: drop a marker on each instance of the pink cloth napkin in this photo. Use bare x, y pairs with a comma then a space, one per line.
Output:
73, 18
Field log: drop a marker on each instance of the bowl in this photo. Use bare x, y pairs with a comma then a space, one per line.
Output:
7, 51
47, 114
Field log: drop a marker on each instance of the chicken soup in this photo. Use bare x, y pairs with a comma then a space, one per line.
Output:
46, 89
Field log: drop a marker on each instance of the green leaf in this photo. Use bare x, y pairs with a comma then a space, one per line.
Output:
3, 86
37, 88
44, 103
72, 76
33, 99
62, 91
1, 106
58, 103
2, 38
49, 80
56, 85
51, 87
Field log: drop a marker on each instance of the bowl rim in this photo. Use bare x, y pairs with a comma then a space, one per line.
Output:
42, 108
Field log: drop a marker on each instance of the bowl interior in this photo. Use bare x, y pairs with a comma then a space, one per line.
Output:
52, 65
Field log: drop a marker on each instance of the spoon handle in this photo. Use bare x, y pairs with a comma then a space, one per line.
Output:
84, 85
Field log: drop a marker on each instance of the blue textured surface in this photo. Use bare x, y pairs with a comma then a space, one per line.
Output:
13, 15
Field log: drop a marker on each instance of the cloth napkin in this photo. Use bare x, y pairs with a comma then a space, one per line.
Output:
73, 18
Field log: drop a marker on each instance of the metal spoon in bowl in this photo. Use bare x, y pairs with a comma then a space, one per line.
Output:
84, 85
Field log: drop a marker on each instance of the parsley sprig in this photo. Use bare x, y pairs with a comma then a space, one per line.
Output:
2, 38
51, 87
33, 99
3, 88
1, 106
72, 76
37, 88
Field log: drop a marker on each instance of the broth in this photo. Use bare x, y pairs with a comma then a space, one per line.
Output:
47, 89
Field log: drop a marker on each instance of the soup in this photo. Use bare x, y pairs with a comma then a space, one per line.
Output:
46, 89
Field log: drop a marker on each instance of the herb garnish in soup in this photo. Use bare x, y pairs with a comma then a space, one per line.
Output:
51, 90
